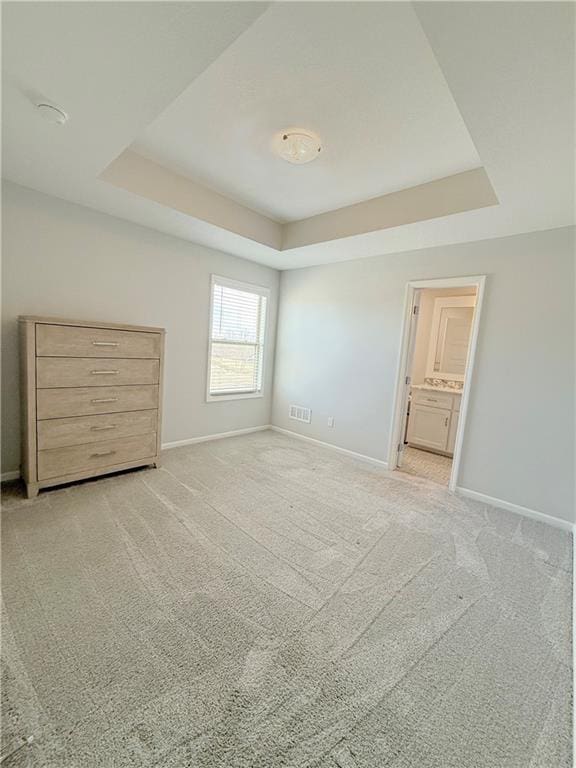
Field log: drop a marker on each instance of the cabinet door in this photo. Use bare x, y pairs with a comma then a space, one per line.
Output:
452, 432
428, 427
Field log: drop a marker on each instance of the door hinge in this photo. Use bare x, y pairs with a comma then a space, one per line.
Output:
415, 309
408, 379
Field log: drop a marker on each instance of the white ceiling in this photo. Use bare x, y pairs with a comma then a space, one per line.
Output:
112, 66
125, 70
361, 76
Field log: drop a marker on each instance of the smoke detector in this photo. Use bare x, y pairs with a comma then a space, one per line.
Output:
51, 113
298, 147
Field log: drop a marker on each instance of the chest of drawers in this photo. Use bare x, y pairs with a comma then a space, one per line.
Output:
91, 399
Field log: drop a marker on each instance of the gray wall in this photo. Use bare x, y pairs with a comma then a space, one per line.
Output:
66, 260
338, 343
338, 337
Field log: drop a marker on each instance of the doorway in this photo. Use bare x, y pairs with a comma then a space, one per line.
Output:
436, 362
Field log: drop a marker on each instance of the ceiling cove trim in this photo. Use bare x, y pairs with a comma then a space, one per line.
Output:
143, 177
460, 192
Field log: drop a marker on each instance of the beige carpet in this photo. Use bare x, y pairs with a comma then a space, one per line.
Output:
263, 603
431, 466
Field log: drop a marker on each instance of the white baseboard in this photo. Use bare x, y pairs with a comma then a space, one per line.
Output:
331, 446
466, 492
219, 436
510, 507
6, 476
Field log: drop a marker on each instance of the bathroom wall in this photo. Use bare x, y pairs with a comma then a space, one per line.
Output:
424, 328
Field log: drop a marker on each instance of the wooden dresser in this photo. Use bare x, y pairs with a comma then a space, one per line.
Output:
91, 399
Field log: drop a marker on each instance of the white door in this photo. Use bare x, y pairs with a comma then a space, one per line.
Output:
452, 432
408, 379
428, 427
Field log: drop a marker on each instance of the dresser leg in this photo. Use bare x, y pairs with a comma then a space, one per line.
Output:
32, 490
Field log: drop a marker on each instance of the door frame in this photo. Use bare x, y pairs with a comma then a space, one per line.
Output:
404, 362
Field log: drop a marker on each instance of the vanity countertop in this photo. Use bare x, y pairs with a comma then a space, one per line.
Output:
432, 388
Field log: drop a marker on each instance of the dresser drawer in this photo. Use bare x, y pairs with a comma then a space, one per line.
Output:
433, 399
75, 341
94, 372
81, 401
59, 433
58, 462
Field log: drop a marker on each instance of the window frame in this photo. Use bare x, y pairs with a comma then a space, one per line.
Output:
259, 290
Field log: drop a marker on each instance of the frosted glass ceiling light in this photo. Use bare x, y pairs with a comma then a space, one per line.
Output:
298, 147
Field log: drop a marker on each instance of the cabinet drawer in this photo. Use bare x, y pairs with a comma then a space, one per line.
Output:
433, 399
58, 462
94, 372
82, 401
75, 341
59, 433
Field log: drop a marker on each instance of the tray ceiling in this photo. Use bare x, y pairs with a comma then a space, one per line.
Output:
441, 122
362, 76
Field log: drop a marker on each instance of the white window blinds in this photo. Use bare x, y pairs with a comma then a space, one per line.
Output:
237, 328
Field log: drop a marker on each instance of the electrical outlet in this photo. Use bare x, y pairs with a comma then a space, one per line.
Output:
330, 421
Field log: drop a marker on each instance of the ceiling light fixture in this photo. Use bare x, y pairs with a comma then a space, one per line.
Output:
51, 113
298, 147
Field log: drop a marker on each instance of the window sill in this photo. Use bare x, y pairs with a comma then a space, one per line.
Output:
232, 396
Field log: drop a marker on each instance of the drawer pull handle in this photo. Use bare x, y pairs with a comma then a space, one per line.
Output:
431, 400
102, 453
104, 373
105, 343
106, 426
104, 400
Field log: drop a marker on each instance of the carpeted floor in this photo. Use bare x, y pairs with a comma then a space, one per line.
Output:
431, 466
264, 603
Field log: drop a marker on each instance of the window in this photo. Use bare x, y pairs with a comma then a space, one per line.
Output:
236, 351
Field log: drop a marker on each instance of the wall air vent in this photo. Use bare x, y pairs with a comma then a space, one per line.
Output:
299, 413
